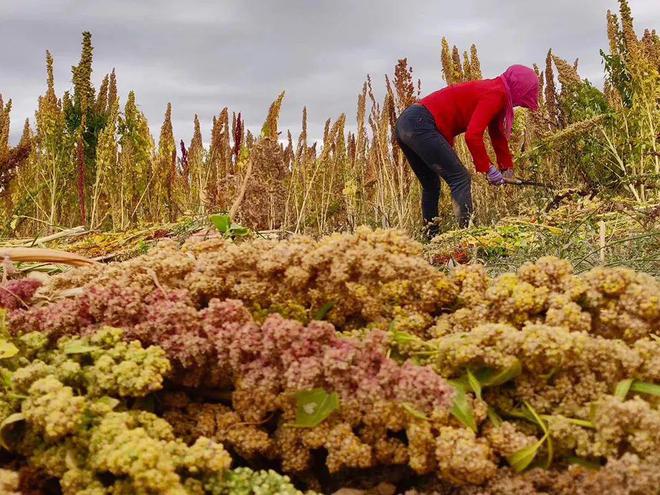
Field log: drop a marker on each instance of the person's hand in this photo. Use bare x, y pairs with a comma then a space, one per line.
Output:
494, 176
510, 177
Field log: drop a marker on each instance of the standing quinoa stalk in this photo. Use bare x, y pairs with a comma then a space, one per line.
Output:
80, 183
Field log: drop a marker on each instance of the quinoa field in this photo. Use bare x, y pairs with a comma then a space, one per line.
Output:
258, 313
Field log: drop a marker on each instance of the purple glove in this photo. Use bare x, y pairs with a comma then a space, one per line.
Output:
495, 177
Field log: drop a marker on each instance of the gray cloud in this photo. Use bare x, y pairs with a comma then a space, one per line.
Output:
203, 55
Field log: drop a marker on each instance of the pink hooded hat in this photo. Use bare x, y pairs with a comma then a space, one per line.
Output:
522, 90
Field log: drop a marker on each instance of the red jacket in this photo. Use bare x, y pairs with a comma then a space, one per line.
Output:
472, 107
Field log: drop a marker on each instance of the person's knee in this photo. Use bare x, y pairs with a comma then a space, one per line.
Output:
431, 187
462, 181
404, 131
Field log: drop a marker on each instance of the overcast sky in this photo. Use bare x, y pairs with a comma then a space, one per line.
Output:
202, 55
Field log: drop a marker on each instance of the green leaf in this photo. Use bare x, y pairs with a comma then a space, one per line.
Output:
5, 428
323, 311
489, 377
147, 403
537, 418
578, 422
70, 459
522, 458
111, 402
221, 221
4, 331
5, 378
402, 338
313, 406
546, 377
645, 388
474, 384
13, 395
622, 388
551, 451
7, 349
494, 417
78, 347
594, 466
238, 231
521, 413
414, 412
461, 408
547, 437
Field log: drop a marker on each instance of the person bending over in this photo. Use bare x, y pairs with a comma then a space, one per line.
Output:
426, 130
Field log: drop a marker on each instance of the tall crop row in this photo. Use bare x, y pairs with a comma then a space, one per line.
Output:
89, 159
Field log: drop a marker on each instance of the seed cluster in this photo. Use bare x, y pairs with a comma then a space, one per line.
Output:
233, 331
77, 420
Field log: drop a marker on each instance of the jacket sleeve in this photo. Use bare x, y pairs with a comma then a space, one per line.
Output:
500, 145
487, 109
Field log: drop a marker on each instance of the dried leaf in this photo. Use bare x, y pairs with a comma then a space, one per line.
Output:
72, 292
43, 255
42, 277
